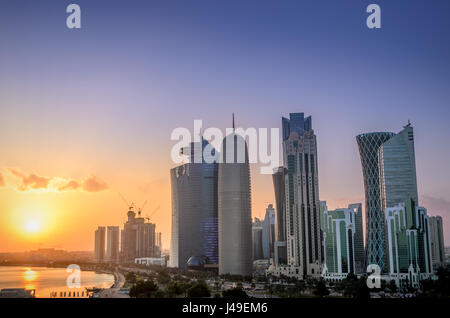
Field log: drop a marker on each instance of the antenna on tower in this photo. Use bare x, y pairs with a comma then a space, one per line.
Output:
407, 125
233, 122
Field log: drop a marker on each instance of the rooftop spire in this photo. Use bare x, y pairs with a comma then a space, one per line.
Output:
233, 121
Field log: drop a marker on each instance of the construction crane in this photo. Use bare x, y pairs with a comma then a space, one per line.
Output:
130, 206
141, 208
153, 213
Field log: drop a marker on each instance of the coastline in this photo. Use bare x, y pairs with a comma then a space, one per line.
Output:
111, 283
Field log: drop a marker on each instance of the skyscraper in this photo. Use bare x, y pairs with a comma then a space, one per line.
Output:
99, 250
194, 209
408, 243
360, 263
368, 145
437, 241
279, 248
257, 239
235, 224
138, 238
280, 202
268, 232
112, 244
339, 233
303, 234
397, 168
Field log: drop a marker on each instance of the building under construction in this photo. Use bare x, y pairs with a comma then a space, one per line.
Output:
139, 238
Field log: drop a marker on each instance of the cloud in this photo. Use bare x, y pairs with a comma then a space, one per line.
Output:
2, 180
30, 182
69, 185
93, 184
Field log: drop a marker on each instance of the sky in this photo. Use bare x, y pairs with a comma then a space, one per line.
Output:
86, 114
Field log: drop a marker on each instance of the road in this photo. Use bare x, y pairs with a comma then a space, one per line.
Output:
113, 291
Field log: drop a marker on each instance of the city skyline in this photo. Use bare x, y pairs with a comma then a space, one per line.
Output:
82, 123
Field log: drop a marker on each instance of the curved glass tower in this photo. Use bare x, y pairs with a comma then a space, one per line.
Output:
194, 211
368, 145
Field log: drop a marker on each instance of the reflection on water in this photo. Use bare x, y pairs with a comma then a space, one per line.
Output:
29, 276
48, 282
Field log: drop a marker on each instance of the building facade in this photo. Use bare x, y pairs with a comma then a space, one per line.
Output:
257, 239
280, 252
99, 248
368, 145
138, 238
360, 254
302, 210
112, 244
268, 233
409, 244
397, 169
280, 202
437, 241
234, 196
194, 209
339, 242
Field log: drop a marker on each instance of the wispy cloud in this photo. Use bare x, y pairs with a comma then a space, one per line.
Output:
90, 184
30, 181
34, 182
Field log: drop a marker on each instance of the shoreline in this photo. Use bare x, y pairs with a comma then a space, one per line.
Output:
115, 274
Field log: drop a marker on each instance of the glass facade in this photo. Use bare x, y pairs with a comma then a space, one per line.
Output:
194, 213
338, 227
368, 145
408, 238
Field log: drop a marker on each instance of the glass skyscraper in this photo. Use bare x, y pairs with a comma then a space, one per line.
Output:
194, 210
397, 162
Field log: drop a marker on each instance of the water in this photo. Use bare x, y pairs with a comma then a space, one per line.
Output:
46, 281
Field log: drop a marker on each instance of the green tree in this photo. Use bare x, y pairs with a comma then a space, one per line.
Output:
130, 278
321, 289
175, 289
199, 290
234, 293
143, 289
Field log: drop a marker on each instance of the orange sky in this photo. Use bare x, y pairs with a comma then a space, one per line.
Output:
68, 215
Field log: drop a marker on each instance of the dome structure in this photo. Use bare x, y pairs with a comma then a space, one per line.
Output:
196, 262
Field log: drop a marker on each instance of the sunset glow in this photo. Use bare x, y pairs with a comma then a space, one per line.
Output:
33, 226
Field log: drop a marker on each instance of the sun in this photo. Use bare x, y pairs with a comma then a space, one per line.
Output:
32, 226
